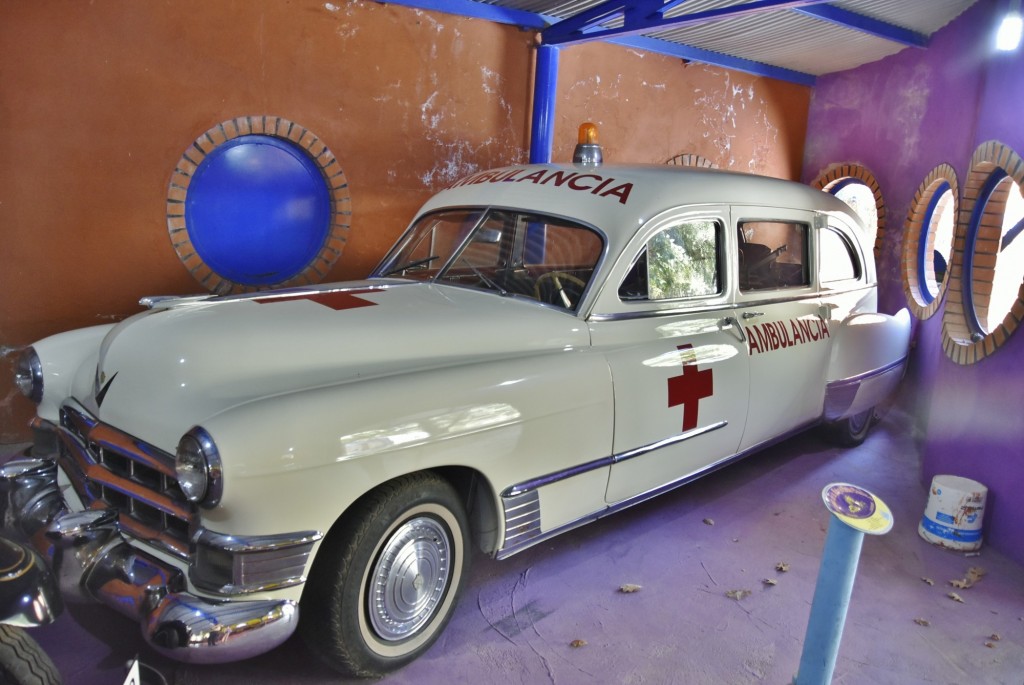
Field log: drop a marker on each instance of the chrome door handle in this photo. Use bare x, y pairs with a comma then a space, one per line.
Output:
731, 323
752, 315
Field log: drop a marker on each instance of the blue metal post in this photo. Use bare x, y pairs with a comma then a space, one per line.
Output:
545, 84
831, 600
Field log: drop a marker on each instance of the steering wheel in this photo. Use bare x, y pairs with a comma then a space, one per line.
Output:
556, 277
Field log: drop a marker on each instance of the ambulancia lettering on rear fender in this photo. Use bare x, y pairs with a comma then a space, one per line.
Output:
592, 183
776, 335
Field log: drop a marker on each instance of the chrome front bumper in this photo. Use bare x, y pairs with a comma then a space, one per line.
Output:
94, 561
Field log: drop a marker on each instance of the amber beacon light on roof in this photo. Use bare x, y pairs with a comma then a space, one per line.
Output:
587, 151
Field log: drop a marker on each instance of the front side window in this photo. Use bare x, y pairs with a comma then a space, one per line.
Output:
678, 262
511, 252
772, 254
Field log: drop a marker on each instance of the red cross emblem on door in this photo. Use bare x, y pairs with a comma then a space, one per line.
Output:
689, 389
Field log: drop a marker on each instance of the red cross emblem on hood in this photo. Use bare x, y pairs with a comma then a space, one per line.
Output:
689, 389
336, 300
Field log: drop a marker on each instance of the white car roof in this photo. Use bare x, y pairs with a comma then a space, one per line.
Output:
619, 199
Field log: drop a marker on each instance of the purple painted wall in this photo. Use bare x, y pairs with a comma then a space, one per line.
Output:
900, 117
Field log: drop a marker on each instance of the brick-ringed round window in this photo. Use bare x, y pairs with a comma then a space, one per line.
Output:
258, 202
857, 187
988, 257
928, 245
691, 160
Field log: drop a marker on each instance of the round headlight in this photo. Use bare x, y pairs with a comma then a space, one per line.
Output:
197, 464
28, 375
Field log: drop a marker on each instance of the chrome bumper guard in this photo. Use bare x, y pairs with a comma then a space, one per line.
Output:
93, 561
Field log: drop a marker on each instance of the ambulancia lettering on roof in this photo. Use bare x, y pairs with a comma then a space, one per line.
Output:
594, 184
777, 335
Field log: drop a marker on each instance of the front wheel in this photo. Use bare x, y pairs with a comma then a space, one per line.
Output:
387, 577
23, 661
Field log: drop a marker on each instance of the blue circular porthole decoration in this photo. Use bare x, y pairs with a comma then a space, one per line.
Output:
257, 203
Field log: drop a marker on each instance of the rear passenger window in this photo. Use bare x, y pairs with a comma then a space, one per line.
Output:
773, 254
838, 261
680, 261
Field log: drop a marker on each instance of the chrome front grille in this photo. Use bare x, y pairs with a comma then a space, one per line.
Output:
109, 468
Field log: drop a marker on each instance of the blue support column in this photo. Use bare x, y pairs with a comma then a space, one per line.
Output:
831, 600
545, 85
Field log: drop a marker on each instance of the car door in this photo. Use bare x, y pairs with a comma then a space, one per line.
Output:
678, 364
788, 338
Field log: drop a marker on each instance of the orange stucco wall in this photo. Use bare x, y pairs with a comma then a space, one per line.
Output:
99, 100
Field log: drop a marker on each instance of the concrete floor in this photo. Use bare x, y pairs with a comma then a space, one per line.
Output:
518, 618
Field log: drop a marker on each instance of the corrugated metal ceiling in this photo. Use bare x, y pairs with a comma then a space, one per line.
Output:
792, 39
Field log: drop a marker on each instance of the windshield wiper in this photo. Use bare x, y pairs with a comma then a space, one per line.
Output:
411, 265
479, 274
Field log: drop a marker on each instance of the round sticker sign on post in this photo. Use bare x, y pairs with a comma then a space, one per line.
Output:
857, 508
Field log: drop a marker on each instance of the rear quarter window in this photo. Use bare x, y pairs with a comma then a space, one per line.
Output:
839, 260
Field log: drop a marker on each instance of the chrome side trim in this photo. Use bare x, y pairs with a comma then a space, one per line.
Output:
547, 479
717, 307
555, 476
522, 517
509, 550
521, 502
866, 389
853, 380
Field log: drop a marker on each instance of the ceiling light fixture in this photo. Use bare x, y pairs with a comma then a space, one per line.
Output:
1010, 29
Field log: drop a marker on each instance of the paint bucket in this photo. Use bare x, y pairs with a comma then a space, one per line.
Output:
954, 512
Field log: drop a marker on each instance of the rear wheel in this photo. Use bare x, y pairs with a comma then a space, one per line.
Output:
851, 431
387, 577
23, 661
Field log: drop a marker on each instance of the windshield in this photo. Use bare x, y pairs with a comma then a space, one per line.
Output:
506, 251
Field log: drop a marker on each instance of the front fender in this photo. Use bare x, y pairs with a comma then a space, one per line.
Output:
63, 357
297, 461
869, 357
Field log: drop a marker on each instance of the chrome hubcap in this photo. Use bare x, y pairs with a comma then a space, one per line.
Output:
410, 578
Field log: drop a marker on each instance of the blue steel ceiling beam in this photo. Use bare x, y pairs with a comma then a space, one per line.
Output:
480, 10
566, 32
717, 59
529, 20
865, 24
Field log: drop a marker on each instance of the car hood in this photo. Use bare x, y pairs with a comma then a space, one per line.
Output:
165, 370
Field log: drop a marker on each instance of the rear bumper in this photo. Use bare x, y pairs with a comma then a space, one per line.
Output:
94, 561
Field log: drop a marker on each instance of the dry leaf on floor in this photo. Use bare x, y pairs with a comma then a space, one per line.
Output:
955, 597
994, 637
710, 522
974, 574
990, 645
769, 581
738, 594
782, 567
629, 587
576, 644
929, 581
922, 622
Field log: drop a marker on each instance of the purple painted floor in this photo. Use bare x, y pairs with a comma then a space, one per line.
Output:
518, 617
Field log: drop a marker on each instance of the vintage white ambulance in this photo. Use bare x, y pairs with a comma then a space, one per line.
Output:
545, 345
